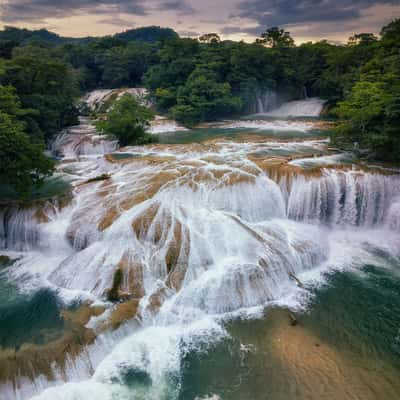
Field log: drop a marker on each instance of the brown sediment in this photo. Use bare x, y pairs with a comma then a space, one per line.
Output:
214, 160
154, 183
121, 313
32, 360
177, 256
99, 178
238, 178
316, 370
108, 218
142, 223
132, 282
157, 299
41, 216
278, 168
192, 163
150, 160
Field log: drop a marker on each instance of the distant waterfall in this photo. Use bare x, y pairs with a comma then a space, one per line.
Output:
82, 140
265, 101
310, 107
274, 104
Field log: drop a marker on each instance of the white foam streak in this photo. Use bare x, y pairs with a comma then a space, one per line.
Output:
311, 107
273, 126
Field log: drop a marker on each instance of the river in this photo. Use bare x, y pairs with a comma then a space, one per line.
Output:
246, 260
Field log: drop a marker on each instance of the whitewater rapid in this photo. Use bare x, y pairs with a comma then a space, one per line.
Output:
202, 233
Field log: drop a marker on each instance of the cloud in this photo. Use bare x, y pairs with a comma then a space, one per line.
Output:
178, 6
283, 12
117, 21
190, 34
38, 10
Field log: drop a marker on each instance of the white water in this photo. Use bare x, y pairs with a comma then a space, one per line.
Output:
82, 140
96, 98
311, 107
323, 160
266, 101
236, 231
162, 125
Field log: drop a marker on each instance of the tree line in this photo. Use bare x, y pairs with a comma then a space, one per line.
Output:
193, 80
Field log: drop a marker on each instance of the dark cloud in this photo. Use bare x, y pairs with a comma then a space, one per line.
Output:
268, 13
120, 22
178, 6
38, 10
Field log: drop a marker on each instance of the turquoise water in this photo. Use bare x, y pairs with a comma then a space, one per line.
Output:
203, 134
27, 318
346, 344
51, 187
354, 314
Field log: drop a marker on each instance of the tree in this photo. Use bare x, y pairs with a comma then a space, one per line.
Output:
45, 84
210, 38
22, 163
127, 121
276, 37
203, 98
391, 33
365, 104
362, 39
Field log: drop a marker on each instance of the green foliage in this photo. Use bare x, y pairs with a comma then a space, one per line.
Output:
127, 121
22, 163
150, 34
370, 113
364, 107
276, 37
45, 85
202, 98
210, 38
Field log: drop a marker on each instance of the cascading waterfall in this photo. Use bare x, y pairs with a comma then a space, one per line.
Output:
266, 100
310, 107
97, 98
200, 233
82, 140
348, 198
271, 103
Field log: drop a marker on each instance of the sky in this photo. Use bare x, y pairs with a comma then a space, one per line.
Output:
306, 20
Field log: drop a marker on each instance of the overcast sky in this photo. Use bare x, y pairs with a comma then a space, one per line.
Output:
334, 20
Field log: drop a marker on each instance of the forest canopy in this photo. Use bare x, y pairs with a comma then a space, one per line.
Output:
42, 75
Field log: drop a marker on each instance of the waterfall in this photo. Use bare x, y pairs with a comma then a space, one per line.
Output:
97, 98
273, 104
82, 140
18, 228
200, 233
310, 107
346, 198
266, 101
